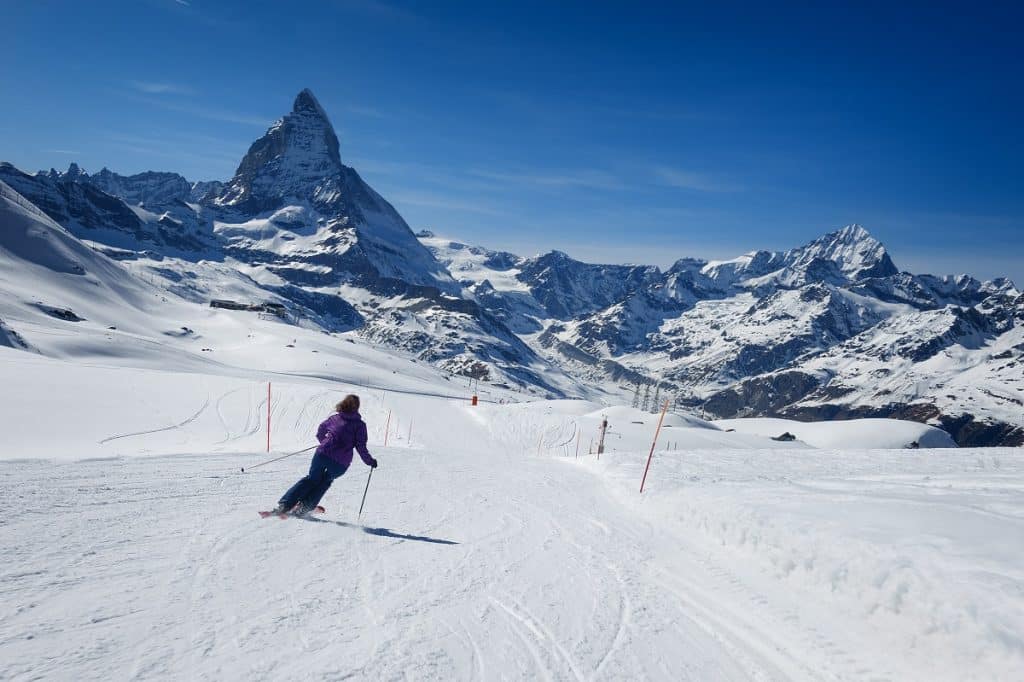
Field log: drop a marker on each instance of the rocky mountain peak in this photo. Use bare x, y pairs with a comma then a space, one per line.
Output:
856, 253
852, 233
75, 172
146, 188
307, 101
297, 159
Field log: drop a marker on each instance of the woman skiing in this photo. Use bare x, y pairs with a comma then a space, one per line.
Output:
338, 435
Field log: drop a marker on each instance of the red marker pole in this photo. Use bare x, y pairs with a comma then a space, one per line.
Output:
387, 428
664, 409
579, 434
268, 416
408, 439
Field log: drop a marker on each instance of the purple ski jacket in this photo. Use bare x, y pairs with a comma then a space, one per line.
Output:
339, 434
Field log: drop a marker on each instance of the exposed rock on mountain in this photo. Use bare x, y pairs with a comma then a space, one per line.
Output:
73, 201
293, 182
142, 189
296, 160
786, 333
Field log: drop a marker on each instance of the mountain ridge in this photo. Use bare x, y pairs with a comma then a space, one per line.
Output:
770, 331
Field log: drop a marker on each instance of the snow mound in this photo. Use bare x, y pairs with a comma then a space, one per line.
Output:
632, 415
871, 434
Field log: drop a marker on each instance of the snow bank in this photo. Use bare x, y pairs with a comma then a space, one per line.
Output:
913, 553
886, 434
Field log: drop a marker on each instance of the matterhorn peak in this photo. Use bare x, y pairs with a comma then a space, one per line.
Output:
307, 101
297, 159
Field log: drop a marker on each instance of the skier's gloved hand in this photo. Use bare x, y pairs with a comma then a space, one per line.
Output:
373, 463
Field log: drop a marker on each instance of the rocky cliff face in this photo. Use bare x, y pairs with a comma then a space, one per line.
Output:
73, 201
297, 160
142, 189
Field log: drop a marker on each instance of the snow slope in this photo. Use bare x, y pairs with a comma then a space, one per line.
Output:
45, 271
488, 547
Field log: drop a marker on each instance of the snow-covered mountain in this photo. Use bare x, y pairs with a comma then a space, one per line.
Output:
807, 332
49, 278
771, 333
292, 185
293, 226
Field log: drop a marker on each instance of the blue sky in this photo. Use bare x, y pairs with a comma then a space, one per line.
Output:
615, 132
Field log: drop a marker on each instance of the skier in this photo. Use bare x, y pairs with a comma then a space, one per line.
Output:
338, 435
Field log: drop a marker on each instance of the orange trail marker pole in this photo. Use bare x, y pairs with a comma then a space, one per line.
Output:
387, 428
268, 416
664, 409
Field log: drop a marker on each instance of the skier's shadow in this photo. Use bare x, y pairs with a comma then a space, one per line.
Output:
385, 533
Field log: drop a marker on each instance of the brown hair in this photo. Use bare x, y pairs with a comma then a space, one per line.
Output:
348, 405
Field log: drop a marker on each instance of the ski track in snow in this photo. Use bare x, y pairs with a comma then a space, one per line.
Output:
186, 421
217, 593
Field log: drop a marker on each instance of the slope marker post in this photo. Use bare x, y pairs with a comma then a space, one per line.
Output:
600, 443
387, 429
268, 416
657, 431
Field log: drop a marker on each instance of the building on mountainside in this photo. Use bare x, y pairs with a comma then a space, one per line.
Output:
276, 309
273, 308
228, 305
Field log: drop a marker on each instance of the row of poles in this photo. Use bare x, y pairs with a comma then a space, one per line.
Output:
601, 435
387, 432
387, 427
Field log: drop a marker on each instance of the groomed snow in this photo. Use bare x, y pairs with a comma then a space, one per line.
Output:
488, 548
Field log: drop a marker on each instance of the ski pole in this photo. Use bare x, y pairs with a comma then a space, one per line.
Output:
364, 495
290, 454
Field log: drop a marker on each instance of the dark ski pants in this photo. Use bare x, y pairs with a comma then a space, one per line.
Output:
312, 487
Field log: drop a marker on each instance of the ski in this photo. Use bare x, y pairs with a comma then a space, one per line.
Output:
264, 514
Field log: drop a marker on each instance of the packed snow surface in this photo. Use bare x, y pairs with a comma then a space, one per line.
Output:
488, 549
